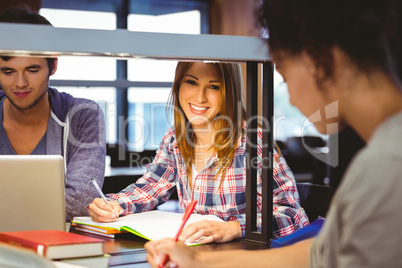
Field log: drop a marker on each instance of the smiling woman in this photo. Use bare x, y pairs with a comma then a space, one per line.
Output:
199, 94
204, 157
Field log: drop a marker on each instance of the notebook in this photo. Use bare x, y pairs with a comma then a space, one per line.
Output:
150, 225
32, 193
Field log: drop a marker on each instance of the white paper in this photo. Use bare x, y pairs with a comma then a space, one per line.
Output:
154, 224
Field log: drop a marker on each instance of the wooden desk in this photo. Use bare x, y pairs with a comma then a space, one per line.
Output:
127, 250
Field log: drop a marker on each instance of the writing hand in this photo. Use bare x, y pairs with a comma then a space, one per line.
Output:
179, 254
102, 212
211, 231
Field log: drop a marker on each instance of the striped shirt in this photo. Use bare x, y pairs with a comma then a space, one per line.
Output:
226, 199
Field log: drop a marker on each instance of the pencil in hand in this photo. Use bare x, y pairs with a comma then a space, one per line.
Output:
98, 189
189, 210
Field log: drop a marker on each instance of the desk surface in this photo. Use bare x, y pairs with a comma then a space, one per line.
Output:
127, 250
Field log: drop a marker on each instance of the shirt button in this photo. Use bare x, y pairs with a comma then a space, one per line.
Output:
197, 188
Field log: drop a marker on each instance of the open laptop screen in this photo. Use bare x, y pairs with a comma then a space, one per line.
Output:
32, 193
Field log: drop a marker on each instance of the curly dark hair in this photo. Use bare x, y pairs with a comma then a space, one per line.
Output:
369, 32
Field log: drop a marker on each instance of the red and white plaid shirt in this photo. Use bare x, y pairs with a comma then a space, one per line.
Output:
226, 200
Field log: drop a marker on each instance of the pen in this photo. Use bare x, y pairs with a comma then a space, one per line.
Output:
98, 189
189, 210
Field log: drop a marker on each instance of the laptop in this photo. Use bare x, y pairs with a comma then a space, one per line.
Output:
32, 193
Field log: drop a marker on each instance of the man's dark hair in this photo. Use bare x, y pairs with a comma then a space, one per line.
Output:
369, 32
23, 14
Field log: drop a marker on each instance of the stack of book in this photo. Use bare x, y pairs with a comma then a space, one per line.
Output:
97, 230
60, 246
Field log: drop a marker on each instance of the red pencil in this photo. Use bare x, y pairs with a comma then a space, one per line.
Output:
189, 210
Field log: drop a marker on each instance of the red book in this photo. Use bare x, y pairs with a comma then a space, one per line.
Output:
54, 244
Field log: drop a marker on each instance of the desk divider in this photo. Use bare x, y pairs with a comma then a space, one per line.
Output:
252, 234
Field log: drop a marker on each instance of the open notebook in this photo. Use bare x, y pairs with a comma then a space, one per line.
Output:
151, 225
32, 193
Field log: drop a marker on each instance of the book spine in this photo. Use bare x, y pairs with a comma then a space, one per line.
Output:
38, 248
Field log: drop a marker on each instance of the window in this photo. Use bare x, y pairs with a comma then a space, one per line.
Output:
87, 68
146, 119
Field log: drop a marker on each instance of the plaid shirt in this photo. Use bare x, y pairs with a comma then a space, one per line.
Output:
226, 200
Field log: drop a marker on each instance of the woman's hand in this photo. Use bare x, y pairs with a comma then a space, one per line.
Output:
102, 212
210, 231
179, 254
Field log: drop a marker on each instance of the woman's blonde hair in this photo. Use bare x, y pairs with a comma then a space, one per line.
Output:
227, 124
